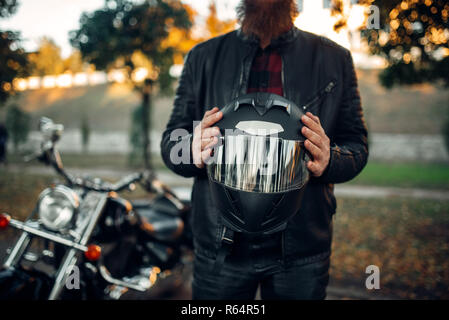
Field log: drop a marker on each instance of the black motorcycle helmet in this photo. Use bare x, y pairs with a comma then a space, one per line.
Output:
258, 170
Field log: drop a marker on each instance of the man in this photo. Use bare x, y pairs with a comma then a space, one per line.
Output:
269, 54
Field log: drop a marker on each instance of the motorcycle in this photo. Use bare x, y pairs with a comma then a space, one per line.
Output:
84, 241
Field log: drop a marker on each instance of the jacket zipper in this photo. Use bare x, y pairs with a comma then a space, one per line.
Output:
246, 68
326, 90
241, 79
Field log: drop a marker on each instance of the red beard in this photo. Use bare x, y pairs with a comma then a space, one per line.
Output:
266, 19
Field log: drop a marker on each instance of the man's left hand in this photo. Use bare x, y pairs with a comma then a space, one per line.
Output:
317, 143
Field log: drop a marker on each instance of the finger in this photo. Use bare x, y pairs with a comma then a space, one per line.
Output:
312, 124
211, 119
313, 167
211, 111
313, 117
312, 136
197, 130
206, 155
317, 120
313, 149
210, 132
209, 143
209, 150
205, 143
212, 143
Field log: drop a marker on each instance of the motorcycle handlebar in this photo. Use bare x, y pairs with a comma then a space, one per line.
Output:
106, 187
126, 181
50, 155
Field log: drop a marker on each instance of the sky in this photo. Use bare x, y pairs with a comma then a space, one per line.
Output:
55, 18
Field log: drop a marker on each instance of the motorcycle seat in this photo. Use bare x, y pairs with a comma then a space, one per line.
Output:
161, 204
160, 225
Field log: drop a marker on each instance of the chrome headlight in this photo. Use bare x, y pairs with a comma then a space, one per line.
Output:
57, 206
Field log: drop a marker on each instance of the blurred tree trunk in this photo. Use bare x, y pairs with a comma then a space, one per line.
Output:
146, 115
85, 133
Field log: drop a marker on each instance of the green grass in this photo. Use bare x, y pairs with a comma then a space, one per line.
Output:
407, 239
407, 175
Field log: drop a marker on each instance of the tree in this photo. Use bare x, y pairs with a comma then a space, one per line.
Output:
13, 63
47, 60
13, 59
85, 132
183, 40
215, 26
135, 136
413, 38
18, 125
114, 35
74, 62
7, 7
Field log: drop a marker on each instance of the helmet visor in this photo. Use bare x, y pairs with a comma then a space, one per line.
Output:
259, 164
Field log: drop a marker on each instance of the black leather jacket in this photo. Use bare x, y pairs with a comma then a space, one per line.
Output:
317, 74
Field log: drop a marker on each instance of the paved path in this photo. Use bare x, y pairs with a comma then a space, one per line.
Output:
183, 185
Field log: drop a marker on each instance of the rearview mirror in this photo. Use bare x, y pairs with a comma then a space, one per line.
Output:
51, 131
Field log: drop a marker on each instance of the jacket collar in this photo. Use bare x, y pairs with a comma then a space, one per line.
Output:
283, 39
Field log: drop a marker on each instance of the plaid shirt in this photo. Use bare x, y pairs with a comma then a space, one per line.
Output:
266, 72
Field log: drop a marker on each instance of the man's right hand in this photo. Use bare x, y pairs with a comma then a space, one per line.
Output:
205, 137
